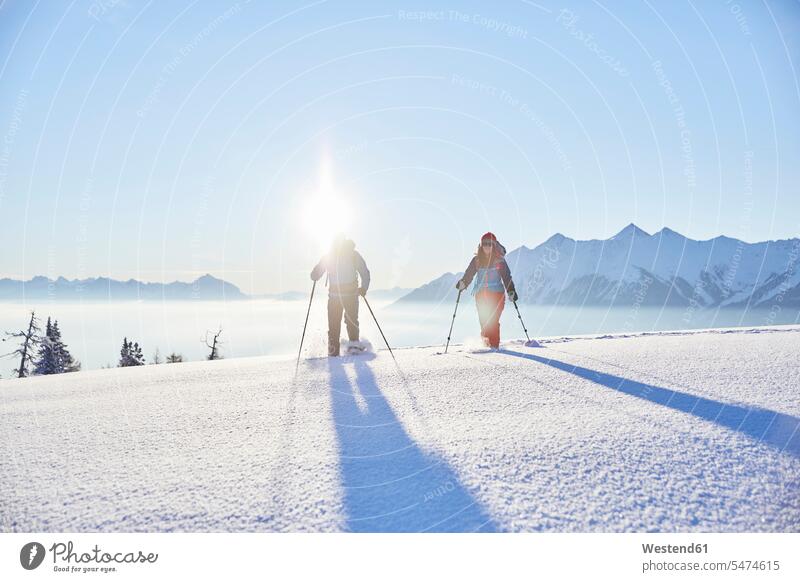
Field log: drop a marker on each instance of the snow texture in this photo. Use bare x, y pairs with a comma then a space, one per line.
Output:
646, 432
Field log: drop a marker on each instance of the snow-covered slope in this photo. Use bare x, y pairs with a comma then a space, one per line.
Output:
654, 432
634, 267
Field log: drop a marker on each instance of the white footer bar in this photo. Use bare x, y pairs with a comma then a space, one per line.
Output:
356, 557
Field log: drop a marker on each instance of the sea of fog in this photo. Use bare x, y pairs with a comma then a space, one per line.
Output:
94, 331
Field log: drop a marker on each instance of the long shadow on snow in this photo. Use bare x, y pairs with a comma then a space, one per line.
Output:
774, 428
390, 484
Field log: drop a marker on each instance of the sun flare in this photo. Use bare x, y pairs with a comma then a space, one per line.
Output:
326, 213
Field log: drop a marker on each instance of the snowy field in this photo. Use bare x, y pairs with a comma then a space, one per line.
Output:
692, 431
93, 331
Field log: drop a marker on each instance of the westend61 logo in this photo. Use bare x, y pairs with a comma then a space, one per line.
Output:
95, 560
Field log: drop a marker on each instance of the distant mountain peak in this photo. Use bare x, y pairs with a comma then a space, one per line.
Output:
666, 231
630, 231
556, 239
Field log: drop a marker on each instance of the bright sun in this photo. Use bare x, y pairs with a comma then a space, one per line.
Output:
326, 213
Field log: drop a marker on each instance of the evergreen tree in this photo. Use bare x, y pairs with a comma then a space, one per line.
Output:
130, 354
136, 355
125, 354
54, 357
65, 360
47, 361
174, 358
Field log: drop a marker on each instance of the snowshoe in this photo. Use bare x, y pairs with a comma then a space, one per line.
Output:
355, 348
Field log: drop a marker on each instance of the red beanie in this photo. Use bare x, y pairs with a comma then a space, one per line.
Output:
490, 236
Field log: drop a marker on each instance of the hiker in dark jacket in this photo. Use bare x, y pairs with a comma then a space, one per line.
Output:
344, 266
492, 282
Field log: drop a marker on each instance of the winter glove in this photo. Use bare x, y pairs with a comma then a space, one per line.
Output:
362, 291
512, 294
461, 285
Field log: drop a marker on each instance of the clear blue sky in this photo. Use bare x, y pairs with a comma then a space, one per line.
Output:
159, 140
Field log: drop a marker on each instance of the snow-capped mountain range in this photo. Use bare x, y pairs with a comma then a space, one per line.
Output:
637, 268
206, 287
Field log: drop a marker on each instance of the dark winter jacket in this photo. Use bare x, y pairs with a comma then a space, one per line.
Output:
494, 276
344, 266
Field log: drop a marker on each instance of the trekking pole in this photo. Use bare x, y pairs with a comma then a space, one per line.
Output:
303, 337
522, 322
453, 321
379, 328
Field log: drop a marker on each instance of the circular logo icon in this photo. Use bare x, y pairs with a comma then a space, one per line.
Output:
31, 555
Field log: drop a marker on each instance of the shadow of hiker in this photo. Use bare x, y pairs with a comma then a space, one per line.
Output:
774, 428
390, 484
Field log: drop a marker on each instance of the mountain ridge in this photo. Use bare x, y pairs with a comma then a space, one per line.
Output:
633, 268
204, 288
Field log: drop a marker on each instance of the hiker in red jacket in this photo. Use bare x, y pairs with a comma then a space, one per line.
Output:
492, 282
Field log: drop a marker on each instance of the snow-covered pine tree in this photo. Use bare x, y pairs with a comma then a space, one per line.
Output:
137, 358
47, 358
66, 361
125, 354
130, 354
53, 356
27, 347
